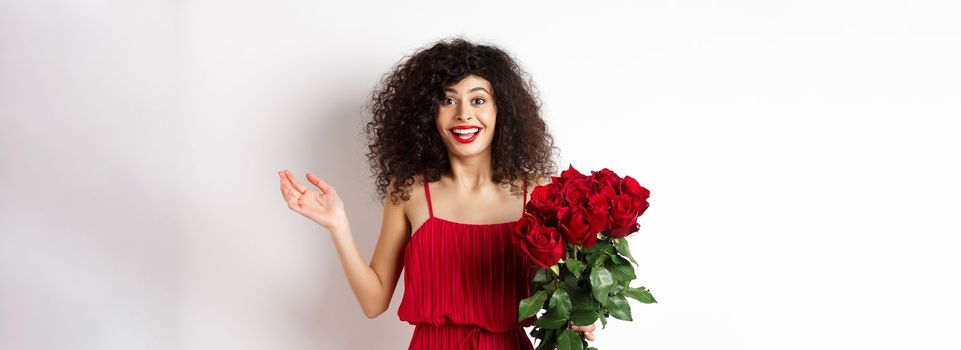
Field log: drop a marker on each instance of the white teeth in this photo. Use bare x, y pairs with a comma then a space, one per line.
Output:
464, 131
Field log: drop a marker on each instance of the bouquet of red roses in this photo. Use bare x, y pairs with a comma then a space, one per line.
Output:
574, 228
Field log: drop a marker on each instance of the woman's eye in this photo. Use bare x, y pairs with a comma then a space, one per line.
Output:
449, 100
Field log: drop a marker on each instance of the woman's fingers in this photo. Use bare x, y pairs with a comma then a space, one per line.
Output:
293, 182
583, 328
288, 193
285, 185
588, 330
321, 184
292, 200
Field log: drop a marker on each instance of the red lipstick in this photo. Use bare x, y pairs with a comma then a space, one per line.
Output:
464, 136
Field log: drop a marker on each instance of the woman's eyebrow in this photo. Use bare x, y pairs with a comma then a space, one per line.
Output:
471, 90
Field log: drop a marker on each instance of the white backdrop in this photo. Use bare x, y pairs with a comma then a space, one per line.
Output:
802, 158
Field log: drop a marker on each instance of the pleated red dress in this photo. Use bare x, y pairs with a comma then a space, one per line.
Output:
463, 283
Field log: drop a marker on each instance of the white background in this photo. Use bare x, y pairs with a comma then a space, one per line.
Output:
802, 158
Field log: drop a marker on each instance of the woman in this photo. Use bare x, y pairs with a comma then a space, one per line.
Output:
455, 140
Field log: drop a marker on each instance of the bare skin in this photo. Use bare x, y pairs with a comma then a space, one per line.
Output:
468, 196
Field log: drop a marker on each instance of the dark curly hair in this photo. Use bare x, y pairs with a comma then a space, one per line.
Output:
403, 137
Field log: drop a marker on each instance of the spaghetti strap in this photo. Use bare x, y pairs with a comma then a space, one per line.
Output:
430, 210
524, 202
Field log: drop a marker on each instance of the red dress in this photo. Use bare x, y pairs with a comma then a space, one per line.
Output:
462, 285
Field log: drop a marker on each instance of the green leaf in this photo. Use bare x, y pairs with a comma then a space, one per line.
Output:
617, 259
542, 275
575, 267
597, 259
601, 283
570, 282
560, 303
591, 258
603, 320
551, 320
640, 294
581, 299
624, 249
591, 348
618, 288
557, 270
621, 272
530, 306
593, 249
549, 287
619, 308
569, 340
600, 246
584, 317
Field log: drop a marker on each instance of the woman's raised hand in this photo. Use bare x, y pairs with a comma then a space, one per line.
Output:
322, 205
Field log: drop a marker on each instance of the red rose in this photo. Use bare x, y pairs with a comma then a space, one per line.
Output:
576, 191
624, 215
576, 225
545, 200
605, 182
607, 202
638, 193
599, 206
566, 175
542, 243
606, 177
605, 190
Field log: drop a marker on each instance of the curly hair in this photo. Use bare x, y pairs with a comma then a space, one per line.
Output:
402, 134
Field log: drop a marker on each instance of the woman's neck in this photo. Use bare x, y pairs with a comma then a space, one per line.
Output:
470, 174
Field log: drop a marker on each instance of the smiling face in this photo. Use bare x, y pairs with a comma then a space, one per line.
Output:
466, 117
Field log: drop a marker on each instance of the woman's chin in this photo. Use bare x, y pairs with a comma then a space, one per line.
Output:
470, 150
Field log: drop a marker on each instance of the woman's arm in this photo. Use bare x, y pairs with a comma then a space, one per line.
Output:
373, 285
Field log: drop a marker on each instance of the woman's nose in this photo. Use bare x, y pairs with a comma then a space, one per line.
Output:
464, 112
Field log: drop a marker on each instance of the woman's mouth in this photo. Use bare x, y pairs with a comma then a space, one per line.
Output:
465, 134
